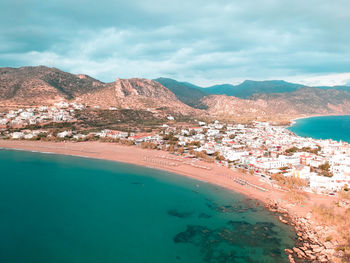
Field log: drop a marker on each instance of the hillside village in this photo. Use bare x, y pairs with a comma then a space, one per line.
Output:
259, 148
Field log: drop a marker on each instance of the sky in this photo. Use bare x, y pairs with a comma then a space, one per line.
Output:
199, 41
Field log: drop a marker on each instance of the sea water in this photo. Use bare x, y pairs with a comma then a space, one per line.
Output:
326, 127
56, 208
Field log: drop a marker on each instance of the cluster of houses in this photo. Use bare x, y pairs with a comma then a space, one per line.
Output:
261, 148
266, 150
60, 112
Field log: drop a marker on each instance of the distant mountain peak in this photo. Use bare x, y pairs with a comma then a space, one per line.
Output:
186, 92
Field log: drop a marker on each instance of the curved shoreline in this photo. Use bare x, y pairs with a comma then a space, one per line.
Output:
135, 155
273, 198
302, 131
293, 121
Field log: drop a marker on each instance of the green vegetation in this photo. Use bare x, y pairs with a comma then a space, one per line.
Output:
185, 92
325, 169
170, 138
304, 149
123, 120
284, 168
248, 88
194, 143
149, 145
202, 155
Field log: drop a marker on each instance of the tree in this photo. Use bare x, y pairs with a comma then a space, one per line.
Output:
232, 136
325, 169
223, 129
220, 158
148, 145
284, 168
192, 132
203, 156
181, 150
292, 150
171, 148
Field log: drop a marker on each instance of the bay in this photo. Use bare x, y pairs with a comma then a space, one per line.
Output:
324, 127
56, 208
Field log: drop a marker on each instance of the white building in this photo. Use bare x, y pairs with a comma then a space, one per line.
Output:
232, 155
17, 135
64, 134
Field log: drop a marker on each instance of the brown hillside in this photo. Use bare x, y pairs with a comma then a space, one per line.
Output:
280, 106
42, 85
136, 94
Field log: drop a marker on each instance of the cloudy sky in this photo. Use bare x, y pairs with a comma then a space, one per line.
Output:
204, 42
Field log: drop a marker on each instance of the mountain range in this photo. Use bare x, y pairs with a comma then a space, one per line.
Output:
265, 100
245, 90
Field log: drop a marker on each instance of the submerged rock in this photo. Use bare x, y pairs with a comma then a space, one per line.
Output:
204, 215
249, 205
240, 241
179, 214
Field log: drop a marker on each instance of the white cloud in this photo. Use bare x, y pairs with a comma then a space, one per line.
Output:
203, 41
326, 80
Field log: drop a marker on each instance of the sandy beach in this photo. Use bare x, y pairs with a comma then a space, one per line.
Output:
207, 172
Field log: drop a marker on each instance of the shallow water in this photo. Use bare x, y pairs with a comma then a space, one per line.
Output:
326, 127
56, 208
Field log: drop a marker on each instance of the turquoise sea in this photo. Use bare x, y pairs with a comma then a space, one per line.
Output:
56, 208
326, 127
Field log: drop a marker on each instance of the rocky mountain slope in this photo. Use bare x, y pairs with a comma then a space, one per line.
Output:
31, 86
136, 94
35, 85
231, 107
309, 101
304, 101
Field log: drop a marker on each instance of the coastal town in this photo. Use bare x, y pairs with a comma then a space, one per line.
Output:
175, 132
257, 148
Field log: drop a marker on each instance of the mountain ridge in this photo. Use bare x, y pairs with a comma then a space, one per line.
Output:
248, 88
42, 85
